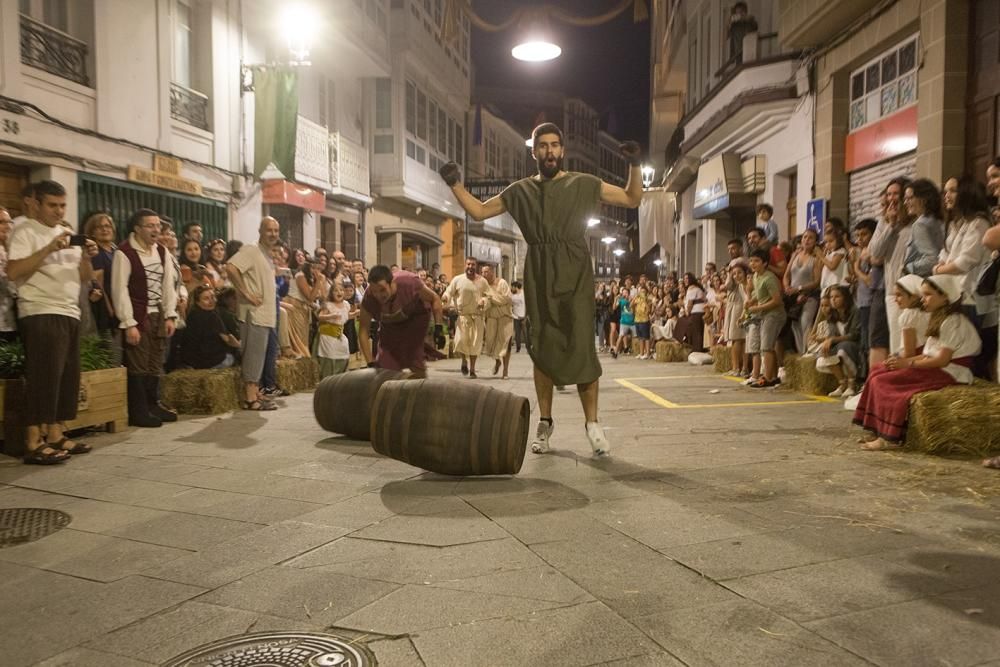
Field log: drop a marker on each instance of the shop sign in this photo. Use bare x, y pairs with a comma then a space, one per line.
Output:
893, 135
277, 191
166, 181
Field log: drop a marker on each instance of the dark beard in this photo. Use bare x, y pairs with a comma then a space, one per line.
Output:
547, 172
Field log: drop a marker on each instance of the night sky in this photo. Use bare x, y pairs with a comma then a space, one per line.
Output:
607, 66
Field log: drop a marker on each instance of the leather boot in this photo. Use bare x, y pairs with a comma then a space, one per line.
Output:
152, 384
138, 404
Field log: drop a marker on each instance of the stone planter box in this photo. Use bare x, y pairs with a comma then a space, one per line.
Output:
103, 403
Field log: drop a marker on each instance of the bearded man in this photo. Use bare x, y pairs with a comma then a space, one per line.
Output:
552, 209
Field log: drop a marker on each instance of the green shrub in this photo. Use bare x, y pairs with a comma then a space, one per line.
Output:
94, 355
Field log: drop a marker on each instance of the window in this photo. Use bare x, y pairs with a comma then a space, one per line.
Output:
884, 85
421, 115
383, 104
451, 138
383, 143
327, 104
411, 149
183, 44
432, 129
54, 13
442, 140
411, 108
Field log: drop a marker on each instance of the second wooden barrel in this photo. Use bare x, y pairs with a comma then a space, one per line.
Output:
343, 403
452, 428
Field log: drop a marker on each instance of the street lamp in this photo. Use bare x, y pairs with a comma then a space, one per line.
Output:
535, 44
658, 262
299, 24
619, 252
593, 222
647, 175
608, 240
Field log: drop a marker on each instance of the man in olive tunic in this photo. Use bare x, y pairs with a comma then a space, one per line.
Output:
552, 209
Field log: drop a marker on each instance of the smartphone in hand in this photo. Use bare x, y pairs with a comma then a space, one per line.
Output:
78, 239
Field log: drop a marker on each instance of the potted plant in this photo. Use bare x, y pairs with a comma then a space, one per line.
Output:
102, 401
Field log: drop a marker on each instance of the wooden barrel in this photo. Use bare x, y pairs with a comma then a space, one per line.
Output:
452, 428
343, 403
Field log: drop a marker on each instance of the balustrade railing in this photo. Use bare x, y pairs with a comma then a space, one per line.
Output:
53, 51
189, 106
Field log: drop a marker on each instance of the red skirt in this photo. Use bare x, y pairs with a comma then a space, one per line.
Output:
885, 402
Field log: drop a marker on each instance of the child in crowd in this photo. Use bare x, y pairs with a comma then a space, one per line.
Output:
951, 347
913, 319
332, 347
868, 278
821, 328
626, 322
834, 259
641, 307
840, 352
767, 306
734, 334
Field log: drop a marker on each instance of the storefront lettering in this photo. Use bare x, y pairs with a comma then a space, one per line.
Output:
161, 180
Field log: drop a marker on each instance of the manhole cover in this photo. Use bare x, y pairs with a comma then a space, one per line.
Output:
27, 524
277, 649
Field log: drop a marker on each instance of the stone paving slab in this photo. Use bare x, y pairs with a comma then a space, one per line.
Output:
306, 595
246, 554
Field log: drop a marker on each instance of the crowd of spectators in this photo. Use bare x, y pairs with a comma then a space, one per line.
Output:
914, 289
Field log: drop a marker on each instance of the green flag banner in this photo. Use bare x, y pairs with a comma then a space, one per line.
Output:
276, 110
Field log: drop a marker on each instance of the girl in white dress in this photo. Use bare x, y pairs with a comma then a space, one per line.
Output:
332, 346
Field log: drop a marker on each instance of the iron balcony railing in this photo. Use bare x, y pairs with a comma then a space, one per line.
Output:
189, 106
53, 51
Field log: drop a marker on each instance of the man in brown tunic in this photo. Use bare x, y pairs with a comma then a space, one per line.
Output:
552, 209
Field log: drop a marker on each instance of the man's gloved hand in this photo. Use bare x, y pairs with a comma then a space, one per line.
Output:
632, 152
450, 173
439, 339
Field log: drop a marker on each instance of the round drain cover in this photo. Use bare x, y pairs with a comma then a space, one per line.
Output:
27, 524
277, 649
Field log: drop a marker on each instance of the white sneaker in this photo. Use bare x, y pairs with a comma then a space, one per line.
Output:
540, 444
849, 392
838, 392
781, 374
598, 442
749, 381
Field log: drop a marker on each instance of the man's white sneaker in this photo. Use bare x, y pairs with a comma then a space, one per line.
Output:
598, 441
749, 381
540, 444
838, 392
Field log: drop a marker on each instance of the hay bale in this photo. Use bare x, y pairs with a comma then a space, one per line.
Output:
802, 376
961, 419
722, 359
202, 392
671, 351
298, 374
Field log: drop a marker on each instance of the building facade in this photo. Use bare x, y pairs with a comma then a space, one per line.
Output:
737, 107
419, 124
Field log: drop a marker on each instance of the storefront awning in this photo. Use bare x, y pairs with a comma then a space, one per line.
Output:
720, 188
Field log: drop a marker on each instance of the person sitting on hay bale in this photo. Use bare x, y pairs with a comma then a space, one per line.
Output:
840, 351
951, 347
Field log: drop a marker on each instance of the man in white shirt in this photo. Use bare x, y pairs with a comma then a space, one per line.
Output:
48, 271
251, 271
520, 310
144, 295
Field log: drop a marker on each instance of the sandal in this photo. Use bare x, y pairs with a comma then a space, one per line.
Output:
880, 445
77, 448
259, 406
992, 463
39, 457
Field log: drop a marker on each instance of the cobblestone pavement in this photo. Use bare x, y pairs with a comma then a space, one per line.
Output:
730, 527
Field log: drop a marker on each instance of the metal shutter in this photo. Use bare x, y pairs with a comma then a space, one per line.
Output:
121, 198
866, 184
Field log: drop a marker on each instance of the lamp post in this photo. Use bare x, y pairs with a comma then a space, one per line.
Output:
647, 176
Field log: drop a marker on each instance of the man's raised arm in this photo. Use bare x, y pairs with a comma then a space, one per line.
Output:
476, 209
631, 194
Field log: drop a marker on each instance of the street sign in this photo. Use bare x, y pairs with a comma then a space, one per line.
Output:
816, 215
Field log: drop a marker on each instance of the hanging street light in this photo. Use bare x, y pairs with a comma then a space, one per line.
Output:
608, 240
647, 176
619, 252
535, 43
299, 25
536, 51
593, 222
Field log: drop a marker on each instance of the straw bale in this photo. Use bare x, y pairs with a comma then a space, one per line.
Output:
202, 392
298, 374
957, 420
802, 376
723, 360
672, 351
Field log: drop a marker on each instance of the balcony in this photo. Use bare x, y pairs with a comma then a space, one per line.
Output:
349, 170
53, 51
312, 154
189, 106
805, 23
501, 227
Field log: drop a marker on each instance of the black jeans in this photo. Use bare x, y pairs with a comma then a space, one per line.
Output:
518, 332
